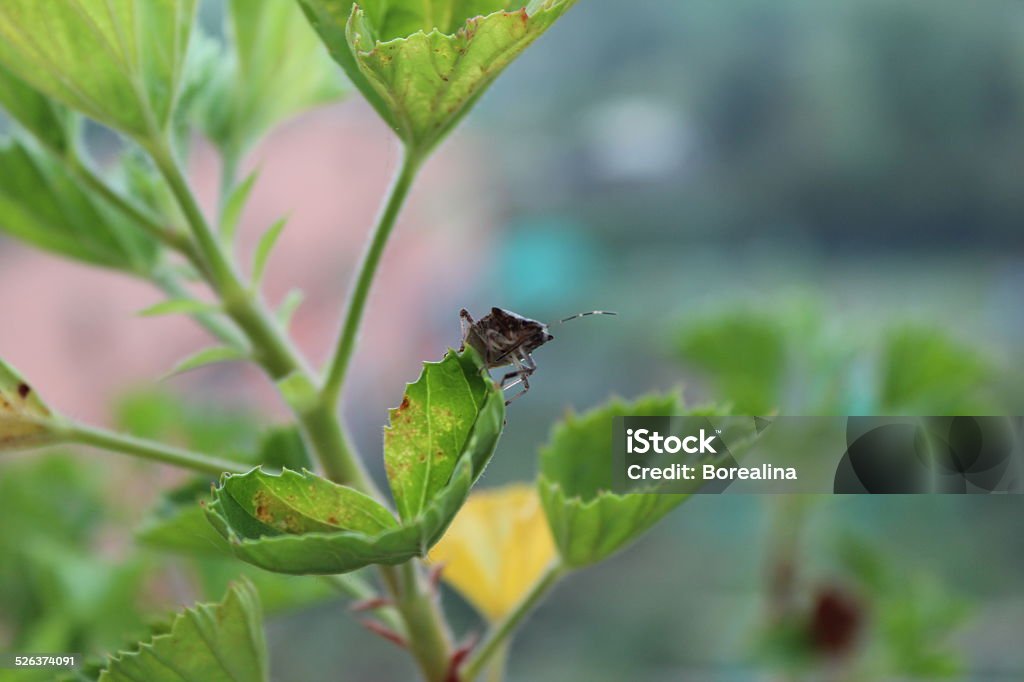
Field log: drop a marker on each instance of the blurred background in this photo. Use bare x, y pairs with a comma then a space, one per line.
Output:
809, 207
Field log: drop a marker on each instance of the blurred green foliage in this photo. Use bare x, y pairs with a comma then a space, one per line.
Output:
69, 578
795, 359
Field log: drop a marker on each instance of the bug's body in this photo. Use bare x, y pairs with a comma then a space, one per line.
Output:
504, 338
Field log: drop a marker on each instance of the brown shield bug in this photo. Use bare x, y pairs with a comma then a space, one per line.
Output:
504, 338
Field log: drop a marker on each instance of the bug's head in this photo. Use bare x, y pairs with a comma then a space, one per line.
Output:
537, 334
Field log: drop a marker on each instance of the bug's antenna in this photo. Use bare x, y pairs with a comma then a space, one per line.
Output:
592, 312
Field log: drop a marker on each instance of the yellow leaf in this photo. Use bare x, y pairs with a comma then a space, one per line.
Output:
496, 548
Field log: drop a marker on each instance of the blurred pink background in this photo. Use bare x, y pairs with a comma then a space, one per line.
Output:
79, 340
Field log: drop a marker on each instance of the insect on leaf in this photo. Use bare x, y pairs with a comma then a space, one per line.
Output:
117, 61
207, 643
303, 524
25, 420
432, 429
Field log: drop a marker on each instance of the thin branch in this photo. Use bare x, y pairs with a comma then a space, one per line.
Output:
360, 291
111, 441
503, 630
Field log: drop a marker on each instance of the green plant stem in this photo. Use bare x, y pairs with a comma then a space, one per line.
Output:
336, 454
352, 585
146, 449
424, 624
272, 349
360, 290
216, 325
495, 671
502, 630
173, 238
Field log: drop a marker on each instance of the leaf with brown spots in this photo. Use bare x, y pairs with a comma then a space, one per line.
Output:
436, 448
431, 430
25, 421
296, 503
424, 65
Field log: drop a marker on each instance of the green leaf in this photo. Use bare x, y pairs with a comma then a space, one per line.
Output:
292, 300
924, 371
138, 179
178, 523
282, 447
117, 61
25, 420
42, 204
424, 65
300, 523
276, 68
588, 522
207, 643
180, 306
744, 354
432, 428
231, 215
208, 356
263, 249
49, 122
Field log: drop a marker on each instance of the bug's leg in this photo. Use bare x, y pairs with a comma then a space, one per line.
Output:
523, 371
528, 362
466, 322
511, 375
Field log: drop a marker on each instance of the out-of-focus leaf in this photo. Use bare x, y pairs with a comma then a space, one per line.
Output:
49, 122
117, 61
292, 300
51, 498
438, 424
264, 248
744, 354
300, 523
25, 420
197, 425
41, 203
180, 306
178, 523
424, 65
497, 547
282, 447
231, 214
588, 521
208, 356
924, 371
207, 643
276, 68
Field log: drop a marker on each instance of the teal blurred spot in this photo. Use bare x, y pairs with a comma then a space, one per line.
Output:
545, 258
